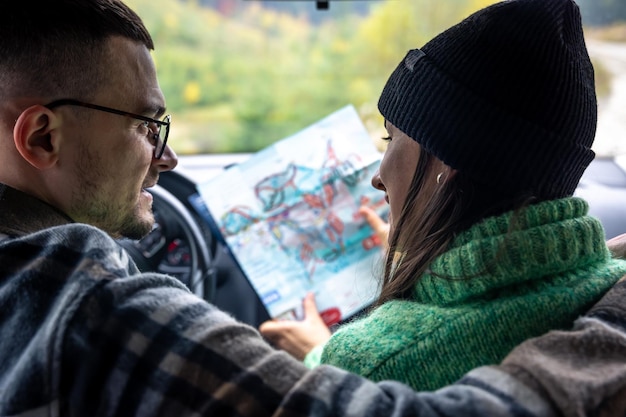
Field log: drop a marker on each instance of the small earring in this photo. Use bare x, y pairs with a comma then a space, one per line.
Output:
439, 178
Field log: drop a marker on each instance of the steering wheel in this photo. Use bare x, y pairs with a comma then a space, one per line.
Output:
176, 246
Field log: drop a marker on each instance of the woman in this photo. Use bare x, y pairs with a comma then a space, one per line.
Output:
490, 129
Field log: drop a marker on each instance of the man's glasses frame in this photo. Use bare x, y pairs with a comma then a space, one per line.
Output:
160, 136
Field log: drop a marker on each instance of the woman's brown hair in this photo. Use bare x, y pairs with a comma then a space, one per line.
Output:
434, 212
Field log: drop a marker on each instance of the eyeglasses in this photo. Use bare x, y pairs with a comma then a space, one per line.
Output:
159, 133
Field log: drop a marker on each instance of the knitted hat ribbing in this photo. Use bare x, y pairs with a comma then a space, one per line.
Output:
506, 96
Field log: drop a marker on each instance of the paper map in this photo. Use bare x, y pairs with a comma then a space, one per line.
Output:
289, 217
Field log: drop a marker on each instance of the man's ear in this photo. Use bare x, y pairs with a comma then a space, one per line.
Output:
34, 135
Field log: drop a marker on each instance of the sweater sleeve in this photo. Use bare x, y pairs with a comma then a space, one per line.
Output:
164, 352
142, 345
314, 357
149, 348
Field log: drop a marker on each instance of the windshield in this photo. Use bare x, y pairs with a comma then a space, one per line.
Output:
239, 75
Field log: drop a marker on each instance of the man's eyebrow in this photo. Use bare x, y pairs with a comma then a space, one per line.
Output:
159, 112
155, 111
385, 123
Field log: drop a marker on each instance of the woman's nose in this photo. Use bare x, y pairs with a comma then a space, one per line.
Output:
377, 182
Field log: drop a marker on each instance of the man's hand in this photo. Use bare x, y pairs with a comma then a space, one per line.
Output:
298, 337
617, 246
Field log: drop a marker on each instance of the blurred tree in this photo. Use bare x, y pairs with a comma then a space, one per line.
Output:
240, 78
474, 5
602, 12
192, 92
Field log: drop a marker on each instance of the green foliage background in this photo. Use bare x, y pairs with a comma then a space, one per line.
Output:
239, 76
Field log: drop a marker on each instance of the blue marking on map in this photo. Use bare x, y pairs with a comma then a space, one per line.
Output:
271, 297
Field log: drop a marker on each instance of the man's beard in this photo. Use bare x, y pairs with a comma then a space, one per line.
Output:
108, 214
133, 225
136, 227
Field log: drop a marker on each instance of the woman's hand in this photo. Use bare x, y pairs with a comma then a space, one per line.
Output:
298, 337
381, 227
617, 246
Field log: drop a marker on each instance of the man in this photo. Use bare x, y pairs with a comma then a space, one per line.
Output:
84, 333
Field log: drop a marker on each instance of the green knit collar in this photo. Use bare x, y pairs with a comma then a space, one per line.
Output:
545, 239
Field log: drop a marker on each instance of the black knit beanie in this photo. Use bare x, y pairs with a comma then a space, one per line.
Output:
507, 96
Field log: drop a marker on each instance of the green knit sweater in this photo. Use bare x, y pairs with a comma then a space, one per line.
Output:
542, 275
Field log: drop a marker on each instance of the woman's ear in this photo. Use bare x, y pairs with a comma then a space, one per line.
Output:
446, 173
34, 136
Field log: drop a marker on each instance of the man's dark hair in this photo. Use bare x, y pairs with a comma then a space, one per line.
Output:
54, 47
